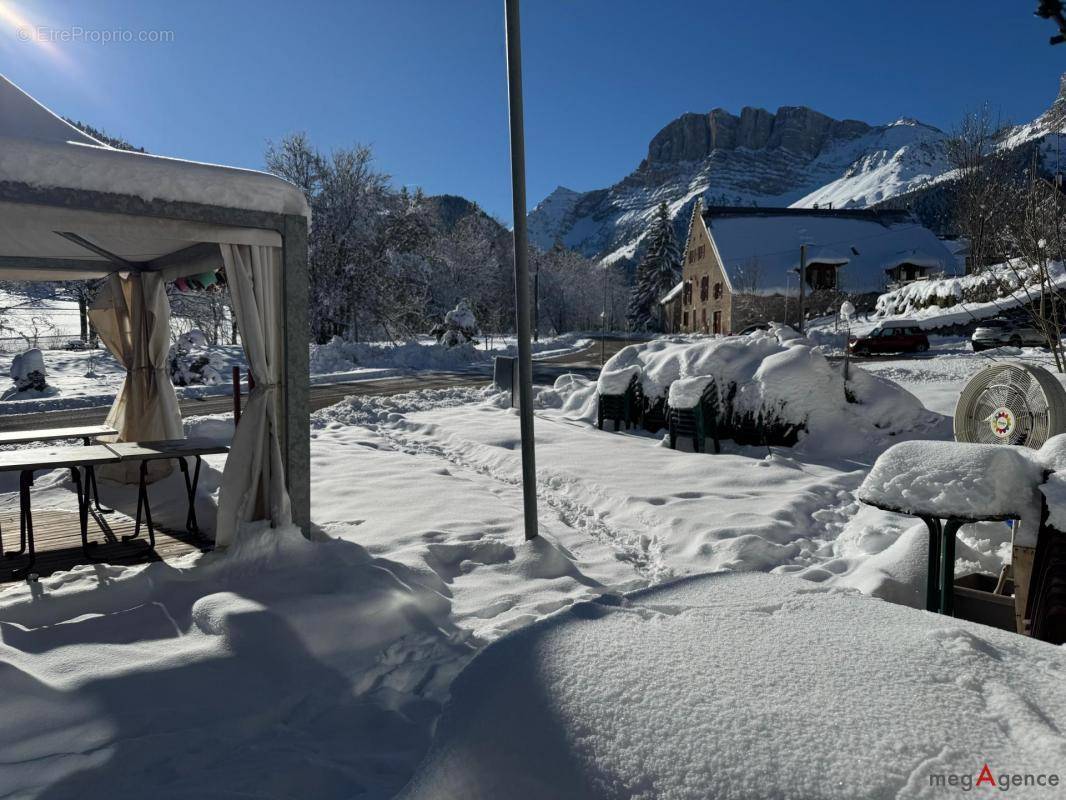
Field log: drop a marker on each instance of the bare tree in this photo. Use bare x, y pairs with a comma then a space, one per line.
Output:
1031, 228
980, 173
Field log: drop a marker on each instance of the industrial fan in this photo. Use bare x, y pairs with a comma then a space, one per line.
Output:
1021, 404
1011, 403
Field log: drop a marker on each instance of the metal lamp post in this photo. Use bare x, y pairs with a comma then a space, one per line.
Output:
521, 266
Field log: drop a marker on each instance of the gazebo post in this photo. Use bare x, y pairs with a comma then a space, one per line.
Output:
295, 389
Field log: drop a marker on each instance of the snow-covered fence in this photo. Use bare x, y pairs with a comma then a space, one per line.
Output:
51, 341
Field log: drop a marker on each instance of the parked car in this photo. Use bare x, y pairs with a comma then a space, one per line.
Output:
1003, 332
758, 326
901, 336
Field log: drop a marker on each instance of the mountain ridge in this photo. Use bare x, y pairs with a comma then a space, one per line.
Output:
795, 156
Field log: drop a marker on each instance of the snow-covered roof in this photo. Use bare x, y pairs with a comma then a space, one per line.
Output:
40, 150
864, 244
673, 293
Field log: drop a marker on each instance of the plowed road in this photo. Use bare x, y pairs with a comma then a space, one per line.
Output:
545, 371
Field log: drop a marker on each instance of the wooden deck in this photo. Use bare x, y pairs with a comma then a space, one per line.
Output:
58, 543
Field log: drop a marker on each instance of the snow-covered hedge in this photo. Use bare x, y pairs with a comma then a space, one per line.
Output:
1003, 284
770, 380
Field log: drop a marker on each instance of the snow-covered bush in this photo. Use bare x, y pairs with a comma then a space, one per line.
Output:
768, 386
1003, 282
459, 328
27, 371
193, 361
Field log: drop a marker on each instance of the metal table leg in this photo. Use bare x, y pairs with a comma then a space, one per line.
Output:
26, 524
90, 483
142, 502
947, 567
190, 489
932, 579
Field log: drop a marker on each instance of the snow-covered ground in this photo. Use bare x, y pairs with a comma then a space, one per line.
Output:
24, 314
748, 686
321, 668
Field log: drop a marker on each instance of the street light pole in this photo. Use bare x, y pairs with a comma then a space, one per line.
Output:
603, 319
521, 266
536, 303
803, 280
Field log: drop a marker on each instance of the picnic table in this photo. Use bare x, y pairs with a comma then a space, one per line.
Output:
87, 458
87, 433
27, 463
178, 449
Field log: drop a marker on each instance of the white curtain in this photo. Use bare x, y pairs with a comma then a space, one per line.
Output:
253, 483
131, 314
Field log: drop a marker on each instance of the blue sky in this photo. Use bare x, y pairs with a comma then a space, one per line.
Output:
423, 81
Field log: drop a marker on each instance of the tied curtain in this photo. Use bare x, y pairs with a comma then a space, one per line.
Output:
131, 314
253, 483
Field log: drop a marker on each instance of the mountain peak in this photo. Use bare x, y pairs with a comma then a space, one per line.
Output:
800, 129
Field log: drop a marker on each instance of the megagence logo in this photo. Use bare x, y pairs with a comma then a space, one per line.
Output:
1002, 781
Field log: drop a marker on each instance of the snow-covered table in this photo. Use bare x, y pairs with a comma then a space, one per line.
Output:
951, 484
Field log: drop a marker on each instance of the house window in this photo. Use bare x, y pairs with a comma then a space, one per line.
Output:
717, 322
700, 251
822, 276
684, 320
691, 256
704, 283
686, 293
717, 290
703, 319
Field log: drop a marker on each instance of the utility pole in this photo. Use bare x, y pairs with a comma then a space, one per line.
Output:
536, 303
521, 266
603, 319
788, 290
803, 280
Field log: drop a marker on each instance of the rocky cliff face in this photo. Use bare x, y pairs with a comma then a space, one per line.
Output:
797, 129
794, 156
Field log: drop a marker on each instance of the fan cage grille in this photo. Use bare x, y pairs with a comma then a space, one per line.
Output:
1011, 403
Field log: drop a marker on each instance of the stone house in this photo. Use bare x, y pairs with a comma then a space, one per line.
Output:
741, 265
670, 310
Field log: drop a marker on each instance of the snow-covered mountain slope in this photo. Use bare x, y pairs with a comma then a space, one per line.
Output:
795, 156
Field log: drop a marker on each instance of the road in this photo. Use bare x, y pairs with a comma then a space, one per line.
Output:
545, 371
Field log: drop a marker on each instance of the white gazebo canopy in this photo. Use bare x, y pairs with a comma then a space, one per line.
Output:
72, 208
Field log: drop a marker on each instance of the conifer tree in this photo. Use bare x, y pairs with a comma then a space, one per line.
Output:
658, 273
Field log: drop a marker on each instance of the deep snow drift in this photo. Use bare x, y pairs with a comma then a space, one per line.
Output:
746, 686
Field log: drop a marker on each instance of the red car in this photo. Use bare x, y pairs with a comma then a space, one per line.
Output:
900, 336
